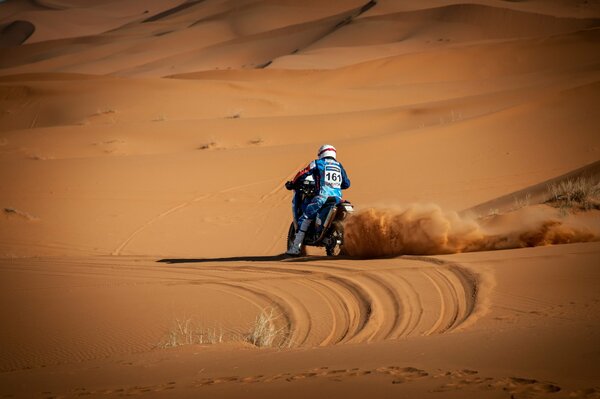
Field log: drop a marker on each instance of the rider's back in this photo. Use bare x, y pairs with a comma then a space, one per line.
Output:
332, 177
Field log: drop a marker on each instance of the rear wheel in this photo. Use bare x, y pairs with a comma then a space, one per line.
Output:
290, 240
337, 235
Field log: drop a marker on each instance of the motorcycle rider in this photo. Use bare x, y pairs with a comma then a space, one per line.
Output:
331, 179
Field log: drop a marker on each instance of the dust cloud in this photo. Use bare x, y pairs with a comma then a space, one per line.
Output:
429, 230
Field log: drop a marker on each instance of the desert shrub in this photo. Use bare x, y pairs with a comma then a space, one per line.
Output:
264, 332
522, 202
207, 146
580, 193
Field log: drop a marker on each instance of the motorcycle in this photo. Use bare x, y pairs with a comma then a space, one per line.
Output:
327, 229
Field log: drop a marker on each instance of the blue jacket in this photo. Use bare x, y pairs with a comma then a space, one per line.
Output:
329, 174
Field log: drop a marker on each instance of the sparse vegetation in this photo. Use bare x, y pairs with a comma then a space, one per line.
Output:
39, 158
107, 142
208, 146
256, 141
104, 111
234, 114
265, 333
575, 194
160, 118
186, 332
102, 115
13, 212
522, 202
493, 212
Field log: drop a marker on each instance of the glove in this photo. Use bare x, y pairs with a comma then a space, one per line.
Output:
289, 185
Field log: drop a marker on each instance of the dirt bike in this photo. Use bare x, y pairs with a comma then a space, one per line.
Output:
327, 230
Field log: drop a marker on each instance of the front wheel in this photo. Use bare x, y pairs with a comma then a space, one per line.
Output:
290, 240
336, 248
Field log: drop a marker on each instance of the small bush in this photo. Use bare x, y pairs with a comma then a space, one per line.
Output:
581, 193
104, 111
522, 202
264, 333
208, 146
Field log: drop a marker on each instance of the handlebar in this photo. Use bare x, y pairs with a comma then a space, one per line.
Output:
306, 187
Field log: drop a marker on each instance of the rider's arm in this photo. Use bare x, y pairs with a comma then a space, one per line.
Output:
300, 176
345, 179
303, 173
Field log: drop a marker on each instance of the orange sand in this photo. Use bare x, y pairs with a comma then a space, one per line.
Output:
144, 148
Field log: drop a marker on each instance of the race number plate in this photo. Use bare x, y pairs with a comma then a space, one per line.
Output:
333, 176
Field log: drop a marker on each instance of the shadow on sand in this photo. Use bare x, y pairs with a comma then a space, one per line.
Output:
273, 258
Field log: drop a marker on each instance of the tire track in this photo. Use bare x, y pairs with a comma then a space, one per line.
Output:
176, 208
314, 302
146, 225
355, 302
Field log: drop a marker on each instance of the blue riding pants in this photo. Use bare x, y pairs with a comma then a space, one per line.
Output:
311, 210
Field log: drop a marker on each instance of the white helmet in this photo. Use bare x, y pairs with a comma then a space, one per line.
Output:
326, 151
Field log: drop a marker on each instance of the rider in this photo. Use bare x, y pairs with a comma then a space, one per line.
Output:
330, 178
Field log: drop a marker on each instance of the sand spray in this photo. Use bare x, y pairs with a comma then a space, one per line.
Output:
427, 229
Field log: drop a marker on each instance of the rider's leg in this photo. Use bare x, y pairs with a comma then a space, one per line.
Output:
304, 222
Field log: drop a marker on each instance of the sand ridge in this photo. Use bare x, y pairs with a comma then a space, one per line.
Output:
144, 150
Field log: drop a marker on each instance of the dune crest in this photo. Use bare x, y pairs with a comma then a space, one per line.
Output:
16, 33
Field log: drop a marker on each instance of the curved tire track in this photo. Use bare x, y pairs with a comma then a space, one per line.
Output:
321, 305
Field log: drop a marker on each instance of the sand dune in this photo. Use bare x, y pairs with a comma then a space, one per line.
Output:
83, 18
537, 193
15, 33
144, 148
427, 30
436, 304
517, 105
317, 39
556, 8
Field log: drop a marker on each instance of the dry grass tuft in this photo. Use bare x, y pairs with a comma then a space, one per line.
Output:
493, 212
575, 194
39, 158
13, 212
105, 111
186, 332
521, 202
264, 332
208, 146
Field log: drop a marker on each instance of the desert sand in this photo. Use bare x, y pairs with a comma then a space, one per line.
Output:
144, 148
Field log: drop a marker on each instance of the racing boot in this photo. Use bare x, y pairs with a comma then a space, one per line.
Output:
296, 248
